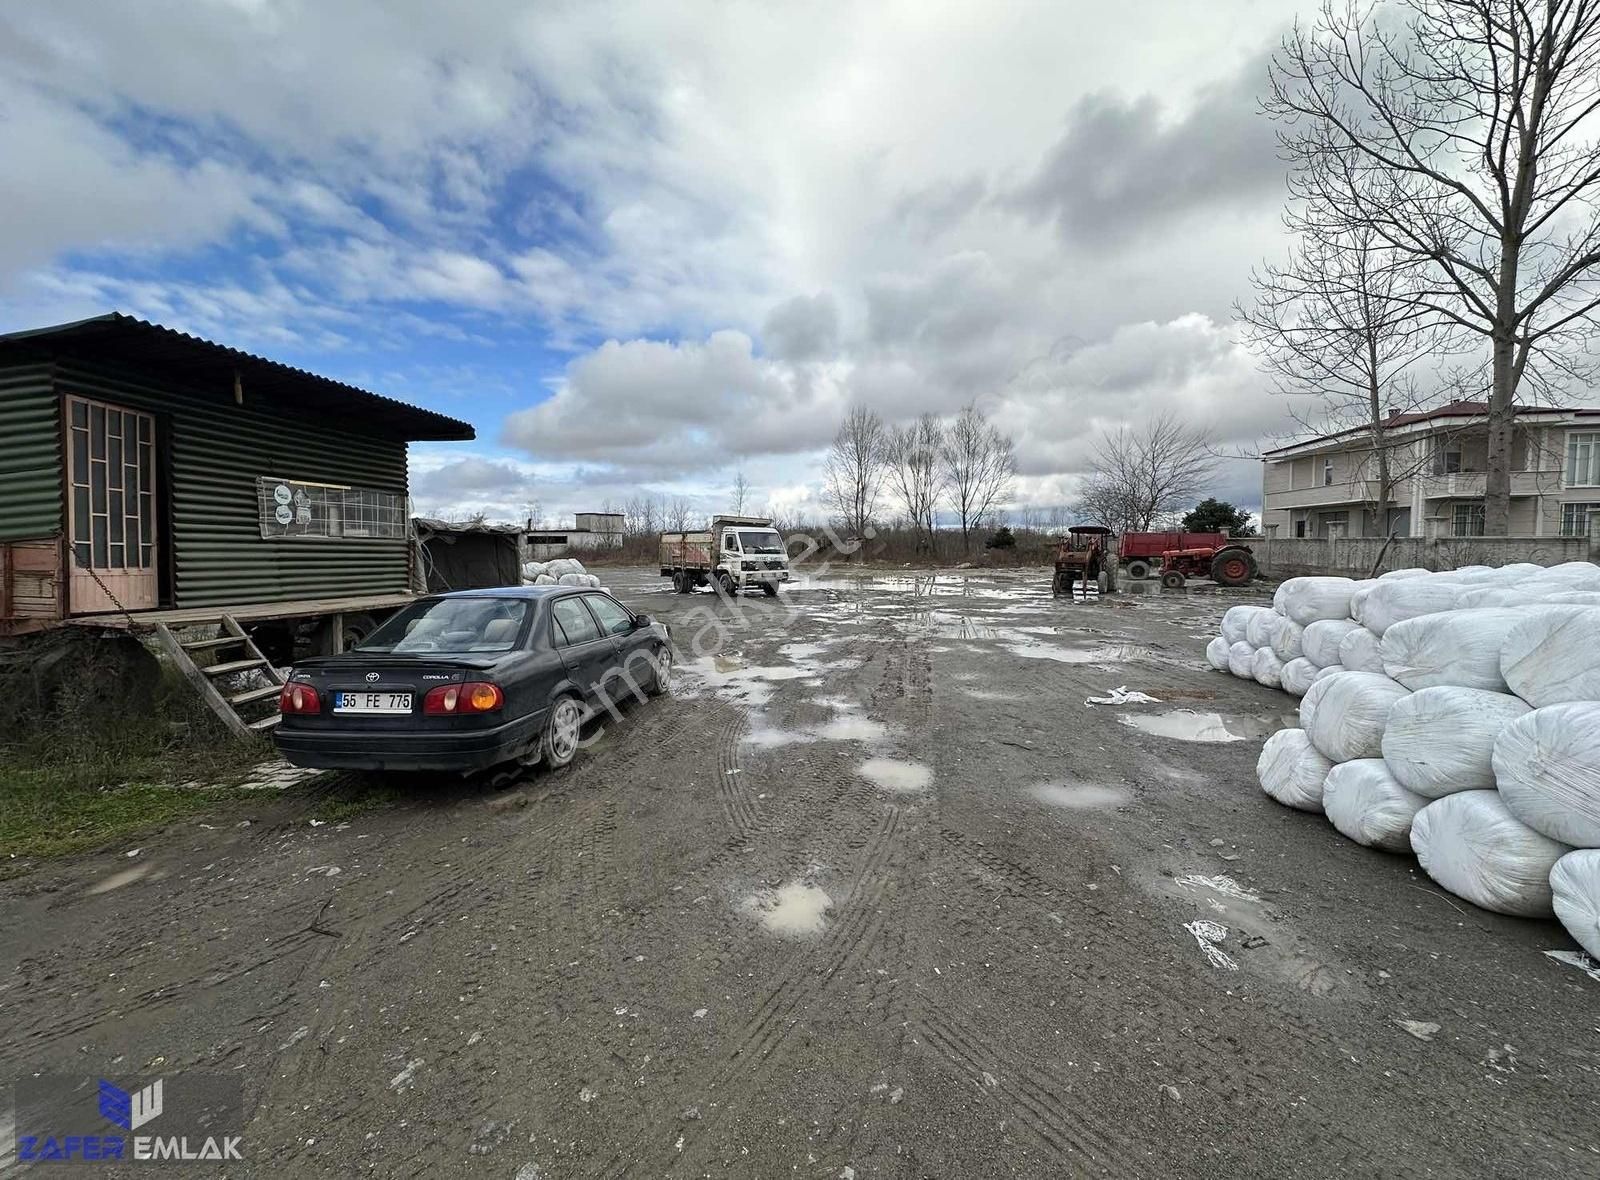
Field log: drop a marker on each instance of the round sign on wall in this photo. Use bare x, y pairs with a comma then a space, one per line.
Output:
284, 513
281, 493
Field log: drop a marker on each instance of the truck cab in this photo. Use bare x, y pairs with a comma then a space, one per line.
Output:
736, 553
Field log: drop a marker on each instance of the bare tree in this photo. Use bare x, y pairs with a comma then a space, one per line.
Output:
677, 514
916, 474
979, 464
1145, 475
1466, 140
1338, 327
741, 492
855, 470
641, 515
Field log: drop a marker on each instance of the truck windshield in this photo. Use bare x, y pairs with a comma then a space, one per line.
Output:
760, 541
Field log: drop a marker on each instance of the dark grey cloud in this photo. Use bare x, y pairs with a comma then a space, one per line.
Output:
470, 476
805, 328
1122, 168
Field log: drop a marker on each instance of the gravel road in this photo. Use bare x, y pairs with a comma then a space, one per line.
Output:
874, 893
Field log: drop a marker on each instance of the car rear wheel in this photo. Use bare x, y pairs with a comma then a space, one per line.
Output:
560, 744
660, 672
1138, 570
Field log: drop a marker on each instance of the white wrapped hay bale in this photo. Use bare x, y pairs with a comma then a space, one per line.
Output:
1358, 602
1412, 572
532, 569
1241, 660
1236, 620
1297, 675
1361, 651
1575, 886
544, 580
1553, 655
1305, 600
1497, 596
1471, 844
1573, 598
1345, 715
1319, 641
1459, 647
1267, 668
1441, 740
1292, 771
1217, 653
1389, 603
1286, 640
1547, 766
1330, 670
1258, 630
571, 579
1363, 800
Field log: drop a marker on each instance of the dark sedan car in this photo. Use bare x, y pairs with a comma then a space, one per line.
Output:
470, 680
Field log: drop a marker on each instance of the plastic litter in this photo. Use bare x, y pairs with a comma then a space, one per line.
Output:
1471, 844
1297, 675
1319, 641
1553, 655
1345, 715
1267, 668
1292, 771
1363, 800
1547, 766
1460, 648
1361, 651
1575, 885
1441, 740
1123, 696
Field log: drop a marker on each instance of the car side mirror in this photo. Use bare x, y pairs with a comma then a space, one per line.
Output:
641, 621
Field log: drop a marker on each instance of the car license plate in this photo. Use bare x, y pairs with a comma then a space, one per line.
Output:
372, 702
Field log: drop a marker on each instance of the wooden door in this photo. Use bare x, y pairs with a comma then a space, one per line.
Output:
111, 462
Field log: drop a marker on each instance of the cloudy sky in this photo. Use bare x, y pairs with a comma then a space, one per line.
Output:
640, 246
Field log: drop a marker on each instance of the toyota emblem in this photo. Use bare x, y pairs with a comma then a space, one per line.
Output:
372, 677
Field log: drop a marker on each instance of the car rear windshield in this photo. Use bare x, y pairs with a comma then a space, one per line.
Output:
451, 626
760, 541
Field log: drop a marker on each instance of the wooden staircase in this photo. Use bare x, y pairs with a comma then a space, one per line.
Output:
247, 658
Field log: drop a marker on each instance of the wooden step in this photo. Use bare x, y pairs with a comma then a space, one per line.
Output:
255, 694
266, 723
206, 644
236, 666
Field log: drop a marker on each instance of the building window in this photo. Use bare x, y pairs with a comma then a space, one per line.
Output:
1468, 520
1575, 519
1327, 473
1300, 527
1583, 460
1446, 459
293, 509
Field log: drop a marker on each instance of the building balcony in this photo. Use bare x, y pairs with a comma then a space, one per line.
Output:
1469, 485
1334, 495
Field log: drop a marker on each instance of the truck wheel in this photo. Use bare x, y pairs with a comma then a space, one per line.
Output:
725, 586
1172, 580
1138, 570
770, 589
1233, 567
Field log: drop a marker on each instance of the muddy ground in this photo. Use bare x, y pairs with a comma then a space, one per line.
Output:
876, 894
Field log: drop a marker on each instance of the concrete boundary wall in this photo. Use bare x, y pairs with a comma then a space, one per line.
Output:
1291, 557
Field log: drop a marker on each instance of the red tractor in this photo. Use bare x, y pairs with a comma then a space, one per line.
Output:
1231, 564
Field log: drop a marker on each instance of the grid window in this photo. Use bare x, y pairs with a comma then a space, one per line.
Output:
1583, 460
1575, 519
1468, 520
291, 509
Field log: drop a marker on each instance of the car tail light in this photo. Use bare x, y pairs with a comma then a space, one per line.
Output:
475, 696
299, 698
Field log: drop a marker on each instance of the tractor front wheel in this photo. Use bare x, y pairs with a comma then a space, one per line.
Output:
1173, 580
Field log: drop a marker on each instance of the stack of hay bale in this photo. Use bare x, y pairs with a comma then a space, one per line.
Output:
1455, 715
564, 571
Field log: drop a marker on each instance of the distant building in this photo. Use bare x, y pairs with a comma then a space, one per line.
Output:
1328, 486
590, 531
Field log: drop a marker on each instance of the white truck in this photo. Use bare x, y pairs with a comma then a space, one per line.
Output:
736, 553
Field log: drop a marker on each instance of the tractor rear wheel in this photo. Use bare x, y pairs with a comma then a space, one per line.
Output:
1138, 570
1233, 567
1173, 579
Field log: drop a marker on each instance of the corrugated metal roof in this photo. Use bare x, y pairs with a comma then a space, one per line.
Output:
118, 339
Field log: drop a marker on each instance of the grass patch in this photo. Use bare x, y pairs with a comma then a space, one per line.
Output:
350, 795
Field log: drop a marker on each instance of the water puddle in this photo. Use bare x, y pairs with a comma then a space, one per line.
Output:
852, 728
1187, 725
986, 694
1080, 796
772, 739
896, 774
796, 910
1037, 649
